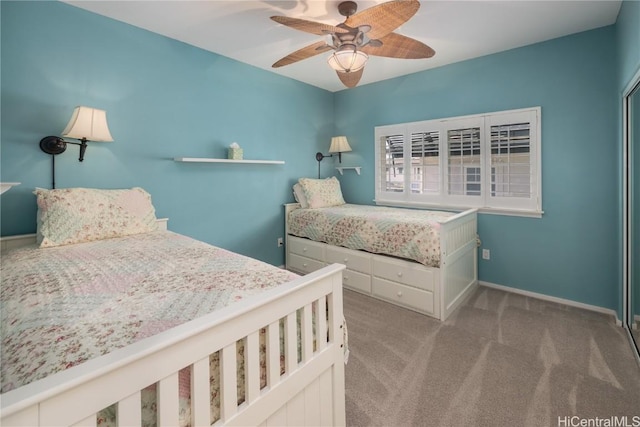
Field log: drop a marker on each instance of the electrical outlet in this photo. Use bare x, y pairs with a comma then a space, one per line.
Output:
280, 242
486, 254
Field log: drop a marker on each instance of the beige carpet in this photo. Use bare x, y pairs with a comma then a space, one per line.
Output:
501, 359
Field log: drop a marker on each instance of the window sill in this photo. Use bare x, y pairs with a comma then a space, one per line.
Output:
490, 211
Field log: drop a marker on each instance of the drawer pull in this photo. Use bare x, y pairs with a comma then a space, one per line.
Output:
399, 293
346, 260
400, 274
346, 277
305, 264
304, 249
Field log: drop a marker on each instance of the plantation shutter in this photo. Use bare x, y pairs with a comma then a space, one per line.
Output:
425, 162
513, 173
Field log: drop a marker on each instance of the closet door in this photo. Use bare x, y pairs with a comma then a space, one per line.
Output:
631, 107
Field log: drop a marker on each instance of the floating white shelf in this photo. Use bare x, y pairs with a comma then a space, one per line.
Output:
5, 186
208, 160
342, 168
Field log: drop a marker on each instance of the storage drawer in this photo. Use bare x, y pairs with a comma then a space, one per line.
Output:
357, 281
353, 260
305, 247
304, 265
404, 295
405, 272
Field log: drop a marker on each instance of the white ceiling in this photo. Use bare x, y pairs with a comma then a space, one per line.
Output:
457, 30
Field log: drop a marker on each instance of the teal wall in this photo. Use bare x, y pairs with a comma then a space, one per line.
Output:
572, 251
166, 99
163, 99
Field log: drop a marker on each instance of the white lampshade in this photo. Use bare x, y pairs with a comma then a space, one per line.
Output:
339, 144
347, 59
88, 123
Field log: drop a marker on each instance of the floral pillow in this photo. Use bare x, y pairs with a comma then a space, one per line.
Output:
76, 215
322, 193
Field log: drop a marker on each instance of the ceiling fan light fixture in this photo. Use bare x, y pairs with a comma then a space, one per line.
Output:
347, 59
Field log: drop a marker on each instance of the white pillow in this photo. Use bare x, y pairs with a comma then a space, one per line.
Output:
322, 193
298, 194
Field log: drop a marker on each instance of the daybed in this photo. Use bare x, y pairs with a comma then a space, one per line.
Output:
104, 322
423, 260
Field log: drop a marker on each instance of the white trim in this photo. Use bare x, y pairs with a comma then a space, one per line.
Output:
549, 298
626, 205
513, 206
491, 211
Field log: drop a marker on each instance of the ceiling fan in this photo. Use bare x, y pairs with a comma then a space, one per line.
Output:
365, 33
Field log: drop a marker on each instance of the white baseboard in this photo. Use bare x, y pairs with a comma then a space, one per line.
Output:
553, 299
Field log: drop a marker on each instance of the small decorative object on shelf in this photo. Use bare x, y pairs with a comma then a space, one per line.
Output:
235, 152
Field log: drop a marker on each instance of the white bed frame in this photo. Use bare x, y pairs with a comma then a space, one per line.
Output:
432, 291
309, 393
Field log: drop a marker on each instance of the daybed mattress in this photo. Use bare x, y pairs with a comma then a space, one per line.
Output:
65, 305
405, 233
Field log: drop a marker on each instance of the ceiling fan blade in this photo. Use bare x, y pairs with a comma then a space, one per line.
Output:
308, 26
350, 79
398, 46
385, 17
304, 53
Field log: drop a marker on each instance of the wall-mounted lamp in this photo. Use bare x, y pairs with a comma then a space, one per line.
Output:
339, 144
86, 124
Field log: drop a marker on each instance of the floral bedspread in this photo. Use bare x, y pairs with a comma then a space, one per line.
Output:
65, 305
406, 233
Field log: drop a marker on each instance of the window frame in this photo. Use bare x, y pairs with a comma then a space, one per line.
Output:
487, 201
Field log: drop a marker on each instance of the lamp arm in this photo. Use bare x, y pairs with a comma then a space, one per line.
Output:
83, 147
320, 156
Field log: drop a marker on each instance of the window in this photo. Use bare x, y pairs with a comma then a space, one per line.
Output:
488, 161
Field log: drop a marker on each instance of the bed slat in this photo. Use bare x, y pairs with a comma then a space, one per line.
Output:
290, 343
307, 333
200, 411
331, 321
168, 408
321, 323
273, 354
228, 382
252, 367
130, 410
